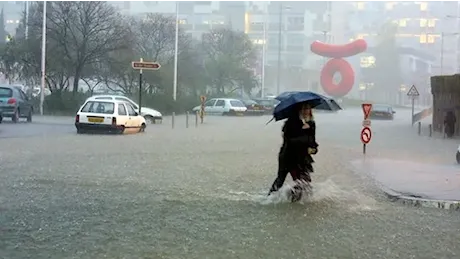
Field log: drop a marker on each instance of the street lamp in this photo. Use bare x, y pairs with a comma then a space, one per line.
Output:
42, 92
279, 46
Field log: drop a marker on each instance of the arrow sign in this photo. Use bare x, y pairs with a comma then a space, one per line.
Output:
366, 110
413, 92
145, 65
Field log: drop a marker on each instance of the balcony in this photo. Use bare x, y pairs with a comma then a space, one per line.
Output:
256, 27
202, 27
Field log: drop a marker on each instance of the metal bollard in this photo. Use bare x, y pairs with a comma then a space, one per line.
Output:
196, 119
430, 130
419, 128
173, 116
186, 119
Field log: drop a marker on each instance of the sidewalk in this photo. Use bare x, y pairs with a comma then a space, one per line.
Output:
421, 184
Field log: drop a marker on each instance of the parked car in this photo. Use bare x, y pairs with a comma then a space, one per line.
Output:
253, 108
380, 111
268, 104
14, 104
223, 106
151, 115
108, 116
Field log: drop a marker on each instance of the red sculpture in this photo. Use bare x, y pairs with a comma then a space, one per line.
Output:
337, 64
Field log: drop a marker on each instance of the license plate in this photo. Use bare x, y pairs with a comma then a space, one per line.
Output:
95, 119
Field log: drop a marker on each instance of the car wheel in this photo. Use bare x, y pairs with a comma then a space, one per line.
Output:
142, 129
15, 117
458, 157
121, 130
1, 119
149, 119
29, 117
80, 131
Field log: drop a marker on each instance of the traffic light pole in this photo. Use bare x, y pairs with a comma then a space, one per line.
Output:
140, 88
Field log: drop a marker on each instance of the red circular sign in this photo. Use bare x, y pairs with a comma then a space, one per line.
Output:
366, 135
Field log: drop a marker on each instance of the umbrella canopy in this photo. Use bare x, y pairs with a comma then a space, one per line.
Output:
289, 102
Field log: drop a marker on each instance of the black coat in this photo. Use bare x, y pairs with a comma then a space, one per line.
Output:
296, 142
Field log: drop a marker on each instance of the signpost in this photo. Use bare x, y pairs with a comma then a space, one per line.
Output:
366, 133
143, 65
203, 101
413, 94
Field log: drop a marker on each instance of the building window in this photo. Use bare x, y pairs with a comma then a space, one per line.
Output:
430, 38
360, 5
258, 41
389, 5
126, 4
423, 22
422, 38
423, 6
367, 61
431, 23
361, 36
402, 23
182, 21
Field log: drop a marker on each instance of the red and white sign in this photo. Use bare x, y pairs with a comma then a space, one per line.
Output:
366, 110
366, 135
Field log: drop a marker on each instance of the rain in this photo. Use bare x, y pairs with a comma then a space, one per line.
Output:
175, 174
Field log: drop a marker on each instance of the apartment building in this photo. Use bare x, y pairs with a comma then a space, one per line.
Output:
12, 15
429, 26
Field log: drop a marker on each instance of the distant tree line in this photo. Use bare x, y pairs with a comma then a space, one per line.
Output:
93, 43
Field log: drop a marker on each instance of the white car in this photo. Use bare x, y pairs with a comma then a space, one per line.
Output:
108, 115
223, 106
151, 115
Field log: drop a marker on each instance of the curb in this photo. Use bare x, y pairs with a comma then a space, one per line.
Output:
421, 202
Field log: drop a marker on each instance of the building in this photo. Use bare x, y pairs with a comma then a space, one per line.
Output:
12, 12
428, 29
428, 25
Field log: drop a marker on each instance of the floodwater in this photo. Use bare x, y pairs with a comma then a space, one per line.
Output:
200, 193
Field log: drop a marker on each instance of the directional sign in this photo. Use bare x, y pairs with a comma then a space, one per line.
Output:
366, 122
366, 135
203, 99
367, 110
145, 65
413, 92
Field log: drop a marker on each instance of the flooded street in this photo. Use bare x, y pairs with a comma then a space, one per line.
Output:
200, 193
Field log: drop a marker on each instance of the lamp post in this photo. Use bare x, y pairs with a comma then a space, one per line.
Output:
42, 90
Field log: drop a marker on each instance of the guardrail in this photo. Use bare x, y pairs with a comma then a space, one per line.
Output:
422, 115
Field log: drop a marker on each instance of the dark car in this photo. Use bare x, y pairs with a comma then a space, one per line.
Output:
382, 112
253, 107
14, 104
268, 104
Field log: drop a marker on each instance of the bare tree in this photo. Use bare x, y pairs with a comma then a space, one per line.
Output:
85, 32
229, 56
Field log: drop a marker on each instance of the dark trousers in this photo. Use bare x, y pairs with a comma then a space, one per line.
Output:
298, 172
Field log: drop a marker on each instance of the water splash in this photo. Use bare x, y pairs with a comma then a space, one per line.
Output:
327, 191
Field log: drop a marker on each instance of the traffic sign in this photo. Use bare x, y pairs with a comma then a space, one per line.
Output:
366, 122
145, 65
413, 92
366, 135
203, 99
366, 109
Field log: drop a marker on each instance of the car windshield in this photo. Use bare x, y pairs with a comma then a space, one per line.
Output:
266, 103
99, 107
380, 108
6, 93
236, 103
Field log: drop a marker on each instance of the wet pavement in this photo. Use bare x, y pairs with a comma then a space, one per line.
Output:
422, 180
200, 193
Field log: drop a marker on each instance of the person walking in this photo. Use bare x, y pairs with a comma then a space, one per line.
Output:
299, 143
